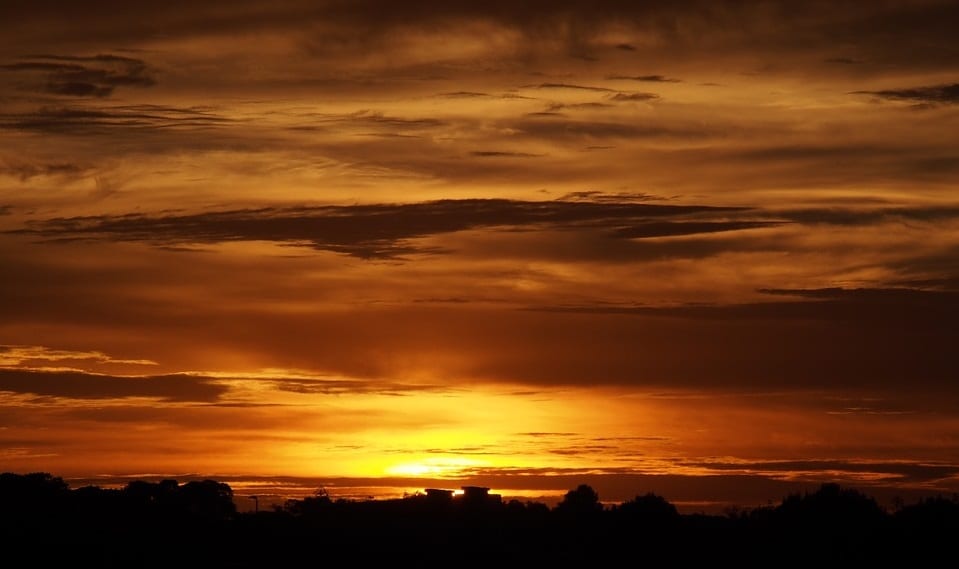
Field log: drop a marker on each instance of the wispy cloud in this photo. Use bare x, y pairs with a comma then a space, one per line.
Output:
572, 86
947, 94
633, 97
644, 78
83, 385
87, 120
13, 355
377, 231
79, 76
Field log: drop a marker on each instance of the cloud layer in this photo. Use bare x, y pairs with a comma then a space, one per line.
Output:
368, 238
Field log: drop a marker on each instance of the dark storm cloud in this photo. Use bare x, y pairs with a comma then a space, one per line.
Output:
82, 385
94, 76
380, 230
934, 95
77, 120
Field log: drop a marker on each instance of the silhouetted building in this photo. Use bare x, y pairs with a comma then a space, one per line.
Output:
479, 495
439, 495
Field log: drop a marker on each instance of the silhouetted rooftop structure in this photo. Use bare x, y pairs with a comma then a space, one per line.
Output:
439, 494
479, 495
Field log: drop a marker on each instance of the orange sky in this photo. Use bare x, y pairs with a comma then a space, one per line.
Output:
707, 245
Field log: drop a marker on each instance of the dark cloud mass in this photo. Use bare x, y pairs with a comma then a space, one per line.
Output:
76, 120
382, 230
644, 78
936, 94
573, 87
907, 470
633, 97
75, 76
502, 154
27, 170
82, 385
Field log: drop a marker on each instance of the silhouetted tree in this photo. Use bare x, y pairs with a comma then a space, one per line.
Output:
163, 524
648, 509
208, 498
583, 501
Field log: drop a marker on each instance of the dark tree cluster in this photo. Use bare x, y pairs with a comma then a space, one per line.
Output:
195, 524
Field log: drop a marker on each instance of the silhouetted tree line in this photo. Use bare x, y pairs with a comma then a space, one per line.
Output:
195, 524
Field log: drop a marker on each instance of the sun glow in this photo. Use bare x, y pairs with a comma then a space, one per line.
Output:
445, 466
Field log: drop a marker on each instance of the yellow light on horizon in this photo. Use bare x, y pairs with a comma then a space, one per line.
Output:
438, 466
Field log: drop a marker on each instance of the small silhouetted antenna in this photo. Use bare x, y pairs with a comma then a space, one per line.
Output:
256, 504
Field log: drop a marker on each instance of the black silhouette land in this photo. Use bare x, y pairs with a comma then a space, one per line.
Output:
196, 524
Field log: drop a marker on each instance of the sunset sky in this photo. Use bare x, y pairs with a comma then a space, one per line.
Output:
709, 249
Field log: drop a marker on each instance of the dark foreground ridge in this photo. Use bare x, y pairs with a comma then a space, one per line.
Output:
168, 524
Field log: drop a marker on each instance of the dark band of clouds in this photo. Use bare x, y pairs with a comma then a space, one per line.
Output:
83, 385
502, 154
936, 94
907, 471
26, 170
898, 307
381, 230
573, 87
644, 78
633, 97
76, 120
77, 76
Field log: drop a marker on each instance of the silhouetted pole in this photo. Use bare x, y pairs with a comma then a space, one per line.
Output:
256, 504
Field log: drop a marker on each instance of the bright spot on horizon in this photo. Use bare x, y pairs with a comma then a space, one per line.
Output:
433, 467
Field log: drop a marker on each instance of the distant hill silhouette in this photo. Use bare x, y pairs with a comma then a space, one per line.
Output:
164, 524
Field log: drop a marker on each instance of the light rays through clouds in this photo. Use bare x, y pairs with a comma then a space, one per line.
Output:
704, 248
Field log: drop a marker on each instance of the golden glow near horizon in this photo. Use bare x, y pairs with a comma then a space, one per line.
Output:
514, 246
